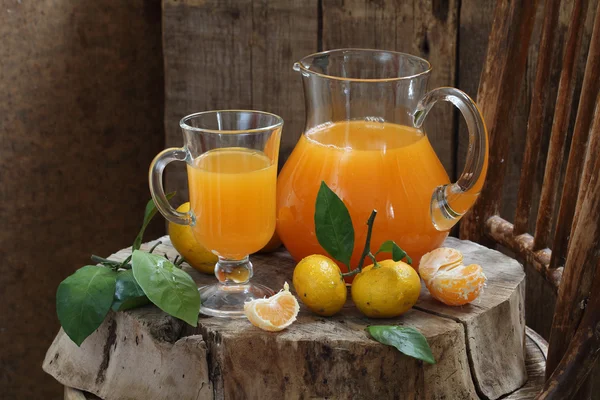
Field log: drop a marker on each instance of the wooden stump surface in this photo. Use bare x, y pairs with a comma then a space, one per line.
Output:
536, 351
144, 353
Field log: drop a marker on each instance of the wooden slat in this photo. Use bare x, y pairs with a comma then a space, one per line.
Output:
500, 80
584, 348
539, 342
590, 88
502, 232
475, 18
423, 28
558, 137
536, 116
579, 270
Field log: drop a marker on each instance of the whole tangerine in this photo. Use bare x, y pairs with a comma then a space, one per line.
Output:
387, 290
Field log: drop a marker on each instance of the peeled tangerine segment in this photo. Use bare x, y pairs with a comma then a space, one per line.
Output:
448, 280
275, 313
443, 258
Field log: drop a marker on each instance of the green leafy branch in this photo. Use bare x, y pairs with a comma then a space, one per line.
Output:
335, 233
84, 299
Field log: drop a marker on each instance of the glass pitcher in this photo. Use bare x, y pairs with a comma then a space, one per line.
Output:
364, 137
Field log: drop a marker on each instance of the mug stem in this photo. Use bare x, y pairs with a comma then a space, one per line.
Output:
227, 298
234, 272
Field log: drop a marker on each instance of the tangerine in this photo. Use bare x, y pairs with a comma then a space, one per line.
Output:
275, 313
448, 280
387, 290
274, 244
186, 244
319, 284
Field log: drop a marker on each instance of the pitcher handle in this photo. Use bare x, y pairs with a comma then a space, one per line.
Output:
155, 178
450, 202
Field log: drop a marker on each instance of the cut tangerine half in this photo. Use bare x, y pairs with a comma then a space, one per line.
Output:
275, 313
448, 280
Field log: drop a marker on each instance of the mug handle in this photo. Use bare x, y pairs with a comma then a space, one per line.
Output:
155, 178
450, 202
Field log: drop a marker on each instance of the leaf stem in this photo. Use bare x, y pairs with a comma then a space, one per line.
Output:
102, 260
372, 257
125, 261
367, 250
351, 273
153, 247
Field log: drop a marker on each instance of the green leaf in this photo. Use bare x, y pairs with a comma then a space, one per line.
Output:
170, 288
406, 339
128, 294
83, 300
148, 215
333, 225
397, 253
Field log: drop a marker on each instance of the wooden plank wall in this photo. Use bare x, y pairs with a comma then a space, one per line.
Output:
80, 120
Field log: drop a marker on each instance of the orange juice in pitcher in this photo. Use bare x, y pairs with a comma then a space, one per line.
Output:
364, 139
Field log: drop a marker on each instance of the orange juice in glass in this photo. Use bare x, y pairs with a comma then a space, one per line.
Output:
232, 193
231, 159
364, 138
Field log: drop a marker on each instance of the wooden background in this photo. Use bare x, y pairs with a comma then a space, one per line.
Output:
81, 103
83, 86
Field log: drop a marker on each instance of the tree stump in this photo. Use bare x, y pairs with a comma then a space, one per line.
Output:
146, 354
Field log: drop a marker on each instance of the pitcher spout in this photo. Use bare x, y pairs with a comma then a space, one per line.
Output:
342, 85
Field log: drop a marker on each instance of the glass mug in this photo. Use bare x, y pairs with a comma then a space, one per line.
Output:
231, 158
364, 138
